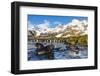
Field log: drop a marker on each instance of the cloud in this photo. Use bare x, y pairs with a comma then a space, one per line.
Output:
77, 22
85, 22
44, 25
74, 22
30, 26
57, 23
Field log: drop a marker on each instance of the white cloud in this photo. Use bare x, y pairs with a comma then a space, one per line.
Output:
57, 23
74, 22
44, 25
30, 26
77, 22
85, 22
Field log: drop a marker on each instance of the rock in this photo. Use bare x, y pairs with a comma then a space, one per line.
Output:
72, 48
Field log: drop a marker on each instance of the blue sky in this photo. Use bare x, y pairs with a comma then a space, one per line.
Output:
52, 21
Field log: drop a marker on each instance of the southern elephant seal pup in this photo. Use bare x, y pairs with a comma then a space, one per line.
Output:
45, 50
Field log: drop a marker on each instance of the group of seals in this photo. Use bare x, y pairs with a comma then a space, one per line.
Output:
47, 50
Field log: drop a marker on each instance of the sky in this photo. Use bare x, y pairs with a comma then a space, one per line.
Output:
51, 21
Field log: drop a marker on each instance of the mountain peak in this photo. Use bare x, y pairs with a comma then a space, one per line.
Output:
75, 27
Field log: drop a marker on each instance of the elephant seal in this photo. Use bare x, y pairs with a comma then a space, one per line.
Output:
45, 50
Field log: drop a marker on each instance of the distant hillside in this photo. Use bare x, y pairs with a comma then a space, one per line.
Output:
75, 28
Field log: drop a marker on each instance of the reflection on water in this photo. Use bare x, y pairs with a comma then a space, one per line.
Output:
60, 52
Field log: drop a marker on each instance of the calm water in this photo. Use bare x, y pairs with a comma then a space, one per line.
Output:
62, 53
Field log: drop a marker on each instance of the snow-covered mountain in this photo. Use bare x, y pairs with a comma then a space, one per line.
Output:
76, 27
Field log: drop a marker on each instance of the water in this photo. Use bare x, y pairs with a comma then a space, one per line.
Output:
61, 53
